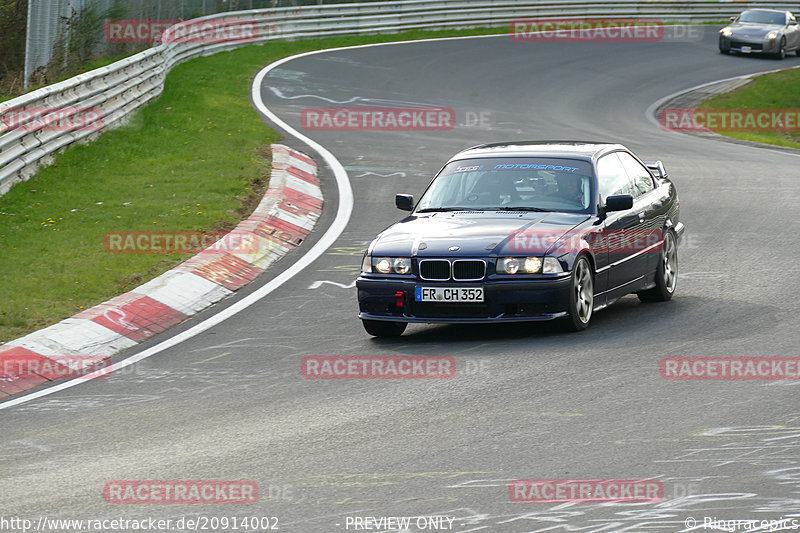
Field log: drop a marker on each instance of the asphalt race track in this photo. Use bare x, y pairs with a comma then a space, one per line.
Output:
528, 401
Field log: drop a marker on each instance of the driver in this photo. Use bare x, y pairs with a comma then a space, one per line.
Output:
570, 188
496, 188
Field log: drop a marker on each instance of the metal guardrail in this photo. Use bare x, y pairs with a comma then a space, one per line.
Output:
118, 90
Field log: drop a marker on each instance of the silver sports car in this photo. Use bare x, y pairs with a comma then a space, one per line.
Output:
761, 31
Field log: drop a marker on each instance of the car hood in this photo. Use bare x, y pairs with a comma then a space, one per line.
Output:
752, 31
475, 234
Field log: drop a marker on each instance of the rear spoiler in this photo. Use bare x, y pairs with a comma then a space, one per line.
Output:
657, 168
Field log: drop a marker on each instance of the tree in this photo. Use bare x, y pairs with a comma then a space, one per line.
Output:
13, 18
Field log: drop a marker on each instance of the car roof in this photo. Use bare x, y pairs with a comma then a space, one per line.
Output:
771, 10
587, 150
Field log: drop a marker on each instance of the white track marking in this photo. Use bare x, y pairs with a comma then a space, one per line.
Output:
280, 94
401, 174
334, 231
318, 284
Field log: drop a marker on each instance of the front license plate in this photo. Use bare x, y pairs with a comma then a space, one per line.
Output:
746, 49
449, 294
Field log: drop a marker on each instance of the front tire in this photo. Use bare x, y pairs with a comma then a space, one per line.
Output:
581, 294
666, 273
782, 50
380, 328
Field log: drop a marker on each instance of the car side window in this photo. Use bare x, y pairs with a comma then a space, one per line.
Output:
612, 178
639, 175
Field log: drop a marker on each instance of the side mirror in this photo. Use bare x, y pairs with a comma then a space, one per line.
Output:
404, 202
733, 19
792, 23
658, 168
620, 202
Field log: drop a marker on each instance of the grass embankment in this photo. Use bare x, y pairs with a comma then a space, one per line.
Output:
194, 159
776, 90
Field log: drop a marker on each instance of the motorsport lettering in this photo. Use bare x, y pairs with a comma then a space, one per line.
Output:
534, 166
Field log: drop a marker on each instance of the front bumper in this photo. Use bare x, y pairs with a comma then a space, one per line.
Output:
515, 300
756, 46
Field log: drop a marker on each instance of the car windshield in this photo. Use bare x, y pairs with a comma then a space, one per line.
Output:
762, 17
511, 184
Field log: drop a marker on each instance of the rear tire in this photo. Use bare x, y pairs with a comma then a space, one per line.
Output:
380, 328
666, 273
581, 295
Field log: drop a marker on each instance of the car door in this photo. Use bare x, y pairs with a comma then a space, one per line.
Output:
625, 267
792, 32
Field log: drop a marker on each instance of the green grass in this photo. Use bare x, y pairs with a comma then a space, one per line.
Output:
776, 90
194, 159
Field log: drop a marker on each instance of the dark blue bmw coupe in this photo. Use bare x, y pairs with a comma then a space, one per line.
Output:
522, 231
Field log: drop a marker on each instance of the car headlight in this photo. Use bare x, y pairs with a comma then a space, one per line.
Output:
725, 32
508, 265
386, 265
401, 265
521, 265
772, 35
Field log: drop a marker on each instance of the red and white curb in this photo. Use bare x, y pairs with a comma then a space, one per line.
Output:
282, 220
